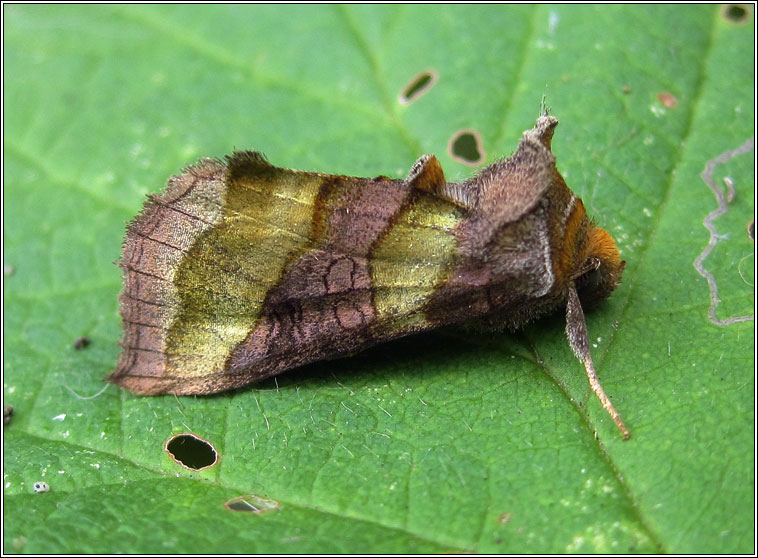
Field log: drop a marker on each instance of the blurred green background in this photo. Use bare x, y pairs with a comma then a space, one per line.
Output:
444, 442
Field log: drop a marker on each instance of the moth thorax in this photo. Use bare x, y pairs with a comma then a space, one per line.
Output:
604, 267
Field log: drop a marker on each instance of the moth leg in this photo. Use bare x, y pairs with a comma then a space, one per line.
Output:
591, 265
576, 329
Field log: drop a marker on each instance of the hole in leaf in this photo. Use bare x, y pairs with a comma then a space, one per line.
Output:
668, 100
82, 343
751, 230
419, 85
466, 147
736, 13
41, 486
251, 503
191, 451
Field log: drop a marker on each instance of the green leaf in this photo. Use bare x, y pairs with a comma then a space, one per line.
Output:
444, 442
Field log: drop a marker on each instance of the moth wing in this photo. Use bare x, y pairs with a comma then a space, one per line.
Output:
242, 270
333, 302
198, 262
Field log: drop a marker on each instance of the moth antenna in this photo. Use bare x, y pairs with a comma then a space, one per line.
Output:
576, 329
544, 109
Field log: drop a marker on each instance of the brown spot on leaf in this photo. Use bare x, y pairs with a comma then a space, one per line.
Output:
466, 147
191, 452
419, 85
82, 343
668, 100
626, 90
7, 414
736, 13
751, 230
505, 517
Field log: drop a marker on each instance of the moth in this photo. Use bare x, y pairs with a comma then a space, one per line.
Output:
241, 270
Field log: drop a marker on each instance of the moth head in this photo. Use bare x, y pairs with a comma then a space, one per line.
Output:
600, 272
